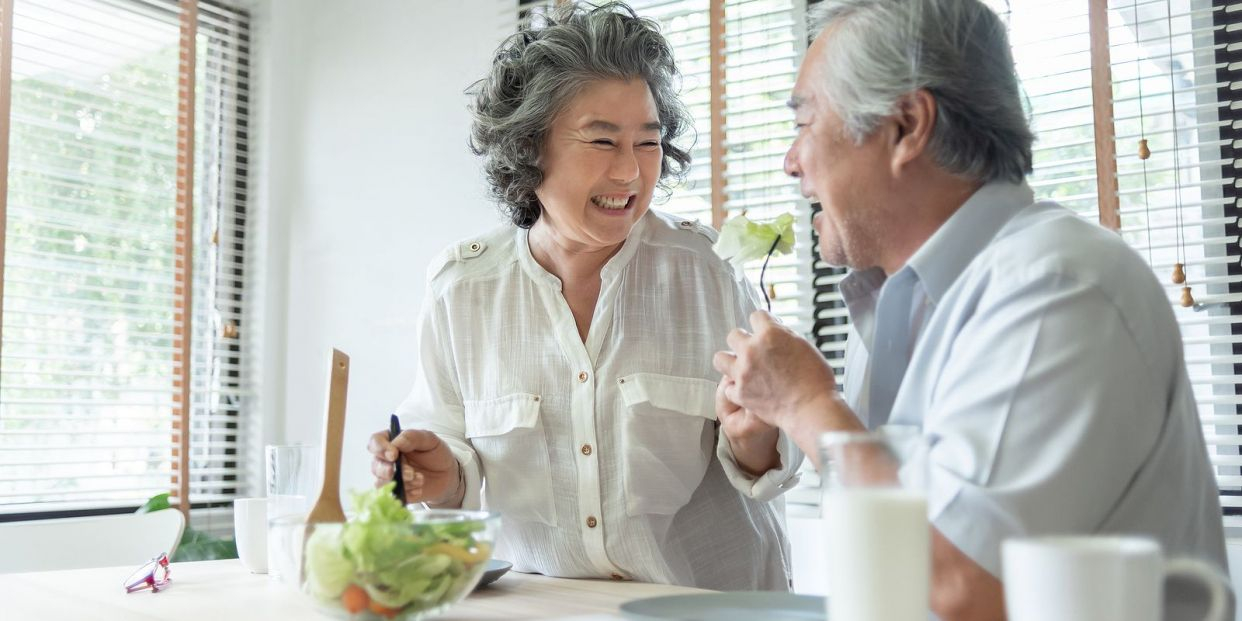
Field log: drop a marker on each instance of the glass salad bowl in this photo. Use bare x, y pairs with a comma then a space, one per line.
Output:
387, 564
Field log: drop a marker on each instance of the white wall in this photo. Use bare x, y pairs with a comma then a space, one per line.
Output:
369, 176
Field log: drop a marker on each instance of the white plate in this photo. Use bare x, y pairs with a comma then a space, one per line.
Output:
737, 606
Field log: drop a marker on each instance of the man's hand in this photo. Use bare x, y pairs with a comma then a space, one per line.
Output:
752, 440
774, 372
429, 470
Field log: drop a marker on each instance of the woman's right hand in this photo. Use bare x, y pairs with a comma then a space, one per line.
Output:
429, 469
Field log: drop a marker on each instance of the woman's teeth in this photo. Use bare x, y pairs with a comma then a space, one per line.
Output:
610, 203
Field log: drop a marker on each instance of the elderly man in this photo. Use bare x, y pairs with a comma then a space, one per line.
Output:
1036, 351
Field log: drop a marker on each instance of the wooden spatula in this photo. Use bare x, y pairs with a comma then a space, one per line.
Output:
328, 507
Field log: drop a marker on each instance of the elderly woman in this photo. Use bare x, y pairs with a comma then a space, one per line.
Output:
566, 359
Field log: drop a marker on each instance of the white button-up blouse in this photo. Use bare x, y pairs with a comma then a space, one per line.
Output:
604, 458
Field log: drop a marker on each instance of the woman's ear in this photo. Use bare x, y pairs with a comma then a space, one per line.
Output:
915, 119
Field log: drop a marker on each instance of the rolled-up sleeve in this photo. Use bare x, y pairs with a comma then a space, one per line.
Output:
1041, 418
770, 484
778, 480
435, 403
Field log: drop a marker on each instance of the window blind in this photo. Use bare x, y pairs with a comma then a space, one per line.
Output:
88, 384
1054, 74
764, 43
685, 23
224, 374
1175, 73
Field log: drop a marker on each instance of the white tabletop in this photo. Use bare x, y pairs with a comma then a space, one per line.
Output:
225, 591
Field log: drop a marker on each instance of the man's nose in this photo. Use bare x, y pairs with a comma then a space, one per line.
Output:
791, 163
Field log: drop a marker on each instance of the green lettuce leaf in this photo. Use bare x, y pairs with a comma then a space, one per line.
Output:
330, 572
742, 240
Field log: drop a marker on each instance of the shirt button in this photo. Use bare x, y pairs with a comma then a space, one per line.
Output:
618, 577
586, 449
591, 522
582, 376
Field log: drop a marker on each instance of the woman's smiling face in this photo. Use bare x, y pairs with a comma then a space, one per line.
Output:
601, 161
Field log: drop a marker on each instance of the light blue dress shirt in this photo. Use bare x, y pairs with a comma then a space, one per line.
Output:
1044, 364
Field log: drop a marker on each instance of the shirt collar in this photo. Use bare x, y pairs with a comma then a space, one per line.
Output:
614, 264
945, 255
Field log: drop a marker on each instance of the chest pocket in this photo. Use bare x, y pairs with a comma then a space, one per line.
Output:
667, 439
508, 437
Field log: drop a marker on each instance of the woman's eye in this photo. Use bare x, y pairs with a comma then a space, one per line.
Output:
602, 143
651, 144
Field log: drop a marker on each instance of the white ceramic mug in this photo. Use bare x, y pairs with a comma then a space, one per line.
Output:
1098, 578
250, 532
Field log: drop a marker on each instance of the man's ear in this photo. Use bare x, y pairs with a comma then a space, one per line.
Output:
914, 119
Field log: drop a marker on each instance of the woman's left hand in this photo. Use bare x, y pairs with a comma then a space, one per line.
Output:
752, 440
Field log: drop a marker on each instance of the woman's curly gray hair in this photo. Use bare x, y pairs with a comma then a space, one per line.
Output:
538, 70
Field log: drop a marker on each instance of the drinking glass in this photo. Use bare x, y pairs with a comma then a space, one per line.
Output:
292, 474
875, 520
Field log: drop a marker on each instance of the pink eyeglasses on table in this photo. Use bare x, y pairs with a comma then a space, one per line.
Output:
153, 575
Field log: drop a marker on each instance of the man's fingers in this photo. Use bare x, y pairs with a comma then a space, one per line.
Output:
724, 362
737, 339
724, 407
762, 320
732, 393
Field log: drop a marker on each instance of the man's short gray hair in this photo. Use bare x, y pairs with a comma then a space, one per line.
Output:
958, 50
537, 72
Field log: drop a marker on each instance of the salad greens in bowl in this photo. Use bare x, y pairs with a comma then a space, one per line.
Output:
387, 562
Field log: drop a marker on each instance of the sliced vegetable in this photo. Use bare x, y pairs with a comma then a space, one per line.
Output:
354, 599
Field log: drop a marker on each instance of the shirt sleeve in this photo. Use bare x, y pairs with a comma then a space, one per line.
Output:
435, 403
778, 480
1041, 418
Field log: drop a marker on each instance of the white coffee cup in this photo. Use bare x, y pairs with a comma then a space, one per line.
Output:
1098, 578
250, 531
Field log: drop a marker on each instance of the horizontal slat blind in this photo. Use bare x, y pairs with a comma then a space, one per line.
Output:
85, 378
87, 367
685, 23
1175, 72
224, 377
1051, 42
764, 42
